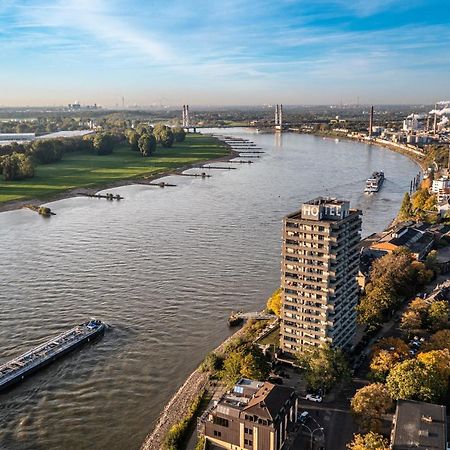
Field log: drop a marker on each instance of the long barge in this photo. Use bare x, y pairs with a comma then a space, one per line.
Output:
22, 366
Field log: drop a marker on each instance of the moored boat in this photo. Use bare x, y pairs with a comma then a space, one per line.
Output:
19, 368
374, 183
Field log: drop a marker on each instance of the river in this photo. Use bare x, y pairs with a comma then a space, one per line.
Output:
164, 268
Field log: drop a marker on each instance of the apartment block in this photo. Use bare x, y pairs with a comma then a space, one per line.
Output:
320, 259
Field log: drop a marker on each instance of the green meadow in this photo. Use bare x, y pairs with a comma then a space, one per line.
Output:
83, 169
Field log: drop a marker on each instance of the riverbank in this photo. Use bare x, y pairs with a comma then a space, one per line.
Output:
413, 154
178, 406
87, 173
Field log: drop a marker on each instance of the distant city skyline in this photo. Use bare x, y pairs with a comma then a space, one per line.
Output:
232, 52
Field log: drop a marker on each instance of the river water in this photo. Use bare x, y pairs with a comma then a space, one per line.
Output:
164, 268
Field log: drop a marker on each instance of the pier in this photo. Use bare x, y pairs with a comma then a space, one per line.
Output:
241, 162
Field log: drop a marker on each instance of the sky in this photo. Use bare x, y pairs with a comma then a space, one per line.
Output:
227, 52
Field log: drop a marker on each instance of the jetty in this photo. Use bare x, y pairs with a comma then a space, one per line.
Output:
105, 196
250, 156
236, 318
241, 162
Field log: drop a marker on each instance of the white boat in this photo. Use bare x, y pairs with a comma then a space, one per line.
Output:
374, 183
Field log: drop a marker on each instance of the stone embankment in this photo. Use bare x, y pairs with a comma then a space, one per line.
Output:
179, 404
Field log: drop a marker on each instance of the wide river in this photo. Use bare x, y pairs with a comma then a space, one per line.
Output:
164, 268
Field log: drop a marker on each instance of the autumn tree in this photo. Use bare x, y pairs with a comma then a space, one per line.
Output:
405, 209
414, 380
386, 354
439, 341
323, 366
438, 359
438, 315
369, 403
368, 441
274, 302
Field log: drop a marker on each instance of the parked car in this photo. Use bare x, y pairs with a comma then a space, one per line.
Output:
275, 379
314, 398
303, 416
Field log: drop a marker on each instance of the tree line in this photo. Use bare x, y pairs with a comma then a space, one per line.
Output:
17, 161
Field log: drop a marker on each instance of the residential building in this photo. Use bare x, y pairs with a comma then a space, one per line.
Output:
419, 425
320, 260
414, 237
253, 415
440, 184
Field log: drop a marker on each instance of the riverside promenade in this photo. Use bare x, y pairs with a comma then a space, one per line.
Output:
178, 406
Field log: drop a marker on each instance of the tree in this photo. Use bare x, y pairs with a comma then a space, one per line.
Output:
414, 380
16, 167
103, 143
369, 441
374, 304
439, 341
163, 135
254, 365
438, 359
147, 144
386, 354
405, 209
245, 362
323, 366
232, 368
369, 403
179, 134
133, 139
46, 151
410, 322
419, 199
438, 315
274, 302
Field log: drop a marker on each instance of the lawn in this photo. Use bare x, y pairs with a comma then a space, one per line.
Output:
82, 169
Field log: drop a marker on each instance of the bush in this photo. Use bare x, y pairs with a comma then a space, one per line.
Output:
177, 434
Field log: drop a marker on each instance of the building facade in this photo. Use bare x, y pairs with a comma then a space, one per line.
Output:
320, 260
252, 416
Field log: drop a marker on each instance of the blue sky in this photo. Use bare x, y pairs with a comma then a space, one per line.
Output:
224, 52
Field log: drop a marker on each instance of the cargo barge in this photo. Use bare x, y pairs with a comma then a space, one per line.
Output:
22, 366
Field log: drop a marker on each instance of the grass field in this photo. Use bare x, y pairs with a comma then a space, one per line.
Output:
88, 170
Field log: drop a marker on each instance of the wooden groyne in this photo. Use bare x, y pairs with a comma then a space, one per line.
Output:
241, 162
42, 210
202, 175
219, 167
250, 156
252, 152
105, 196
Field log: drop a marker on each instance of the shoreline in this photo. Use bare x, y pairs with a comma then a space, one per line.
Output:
144, 179
412, 154
180, 402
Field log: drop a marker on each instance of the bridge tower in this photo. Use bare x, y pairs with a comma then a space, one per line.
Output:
186, 121
279, 117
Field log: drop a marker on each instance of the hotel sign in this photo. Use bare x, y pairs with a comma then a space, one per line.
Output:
323, 211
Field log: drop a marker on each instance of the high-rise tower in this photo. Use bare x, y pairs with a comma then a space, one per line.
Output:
320, 260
